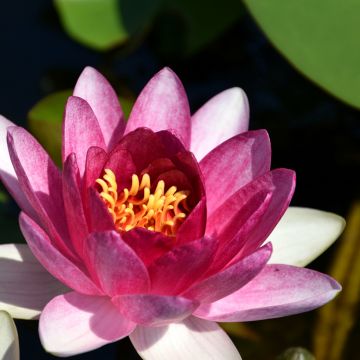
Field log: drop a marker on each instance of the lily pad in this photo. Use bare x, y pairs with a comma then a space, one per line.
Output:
319, 38
94, 23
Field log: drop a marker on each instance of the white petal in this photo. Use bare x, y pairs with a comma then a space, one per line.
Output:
192, 338
222, 117
6, 165
7, 172
303, 234
25, 286
9, 342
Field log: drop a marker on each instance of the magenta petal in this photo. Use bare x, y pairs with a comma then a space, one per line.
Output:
40, 180
95, 161
74, 323
252, 212
178, 269
154, 310
53, 261
283, 181
233, 164
73, 204
230, 244
148, 245
162, 105
116, 265
121, 164
194, 225
222, 117
231, 279
98, 93
279, 290
81, 130
97, 214
144, 147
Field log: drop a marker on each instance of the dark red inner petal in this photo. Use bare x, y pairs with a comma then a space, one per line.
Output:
163, 157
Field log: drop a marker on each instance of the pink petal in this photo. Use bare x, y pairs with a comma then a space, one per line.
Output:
236, 236
284, 187
194, 225
95, 161
122, 165
148, 245
249, 155
81, 130
154, 310
73, 204
74, 323
117, 266
98, 93
144, 147
25, 286
248, 216
190, 339
178, 269
98, 216
222, 117
53, 261
231, 279
7, 171
279, 290
40, 180
162, 105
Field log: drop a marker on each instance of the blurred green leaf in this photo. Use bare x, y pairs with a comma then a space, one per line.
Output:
45, 120
319, 38
94, 23
104, 24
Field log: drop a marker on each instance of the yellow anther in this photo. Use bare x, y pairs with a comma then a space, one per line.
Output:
138, 207
134, 185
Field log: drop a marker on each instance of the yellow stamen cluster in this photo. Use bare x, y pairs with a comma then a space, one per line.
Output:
137, 207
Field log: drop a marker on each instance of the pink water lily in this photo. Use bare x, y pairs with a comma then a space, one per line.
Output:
156, 228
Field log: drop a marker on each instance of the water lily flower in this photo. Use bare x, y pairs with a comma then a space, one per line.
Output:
156, 228
9, 342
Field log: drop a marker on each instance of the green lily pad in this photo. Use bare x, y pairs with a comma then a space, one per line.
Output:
94, 23
319, 38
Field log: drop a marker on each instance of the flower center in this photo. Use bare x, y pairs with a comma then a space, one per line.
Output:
138, 207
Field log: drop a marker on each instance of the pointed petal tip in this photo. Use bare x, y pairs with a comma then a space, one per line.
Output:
88, 70
303, 234
236, 94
